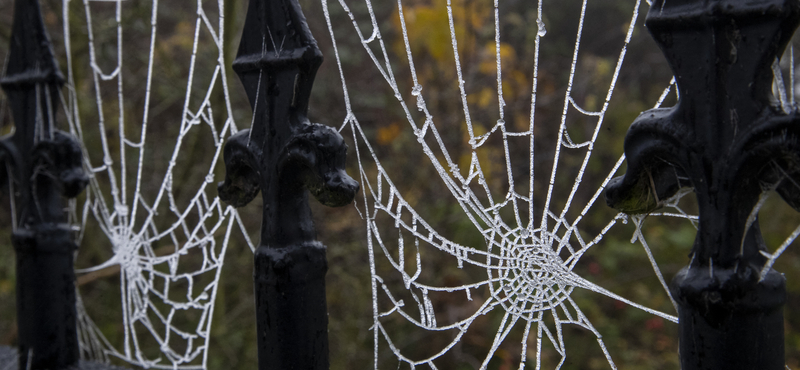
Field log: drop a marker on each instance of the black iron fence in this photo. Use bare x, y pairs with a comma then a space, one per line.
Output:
44, 164
726, 137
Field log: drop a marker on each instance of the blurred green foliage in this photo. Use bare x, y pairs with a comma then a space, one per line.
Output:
635, 339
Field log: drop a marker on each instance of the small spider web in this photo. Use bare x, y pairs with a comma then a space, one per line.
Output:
158, 209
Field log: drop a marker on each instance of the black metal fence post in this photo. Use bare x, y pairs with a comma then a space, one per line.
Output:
730, 141
283, 154
44, 164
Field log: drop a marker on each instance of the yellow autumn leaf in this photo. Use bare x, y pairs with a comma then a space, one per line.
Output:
508, 58
429, 31
387, 134
486, 97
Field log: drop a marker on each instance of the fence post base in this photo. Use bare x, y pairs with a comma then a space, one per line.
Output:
46, 315
729, 320
291, 310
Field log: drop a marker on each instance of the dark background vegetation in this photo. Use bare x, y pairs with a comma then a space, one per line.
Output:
635, 339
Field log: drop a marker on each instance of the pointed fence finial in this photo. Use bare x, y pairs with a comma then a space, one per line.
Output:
284, 155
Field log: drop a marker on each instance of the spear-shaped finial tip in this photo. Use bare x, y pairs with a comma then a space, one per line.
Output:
275, 33
31, 59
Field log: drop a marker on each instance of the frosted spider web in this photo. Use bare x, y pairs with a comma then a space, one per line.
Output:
526, 265
167, 228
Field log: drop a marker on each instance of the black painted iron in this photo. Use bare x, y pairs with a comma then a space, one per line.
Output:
282, 155
43, 165
729, 140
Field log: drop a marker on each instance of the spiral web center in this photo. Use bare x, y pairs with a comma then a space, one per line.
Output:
535, 281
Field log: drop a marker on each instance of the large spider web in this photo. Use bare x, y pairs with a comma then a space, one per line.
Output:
524, 272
